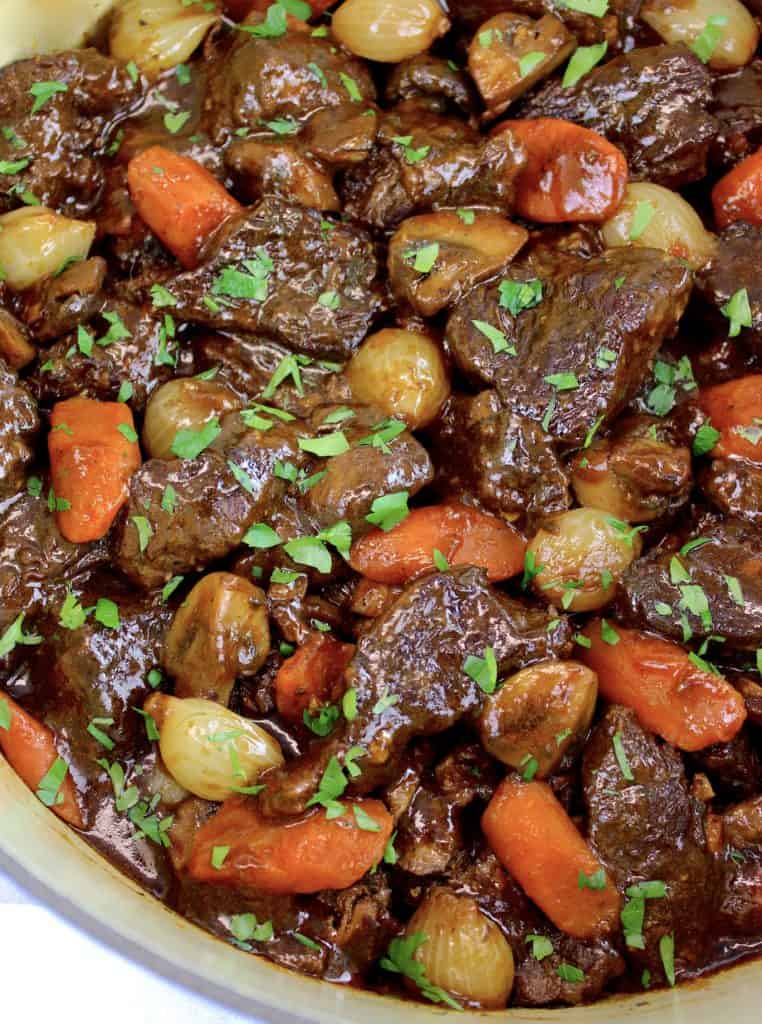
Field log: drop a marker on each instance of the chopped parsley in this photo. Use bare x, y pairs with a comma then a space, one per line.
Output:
44, 91
245, 928
562, 381
389, 510
219, 853
542, 947
705, 440
322, 723
261, 536
145, 531
439, 560
621, 757
353, 90
667, 954
583, 60
326, 446
709, 38
190, 443
608, 634
530, 61
423, 259
568, 972
495, 337
738, 311
49, 786
595, 881
332, 786
15, 634
400, 959
107, 613
161, 296
516, 296
175, 121
641, 218
483, 670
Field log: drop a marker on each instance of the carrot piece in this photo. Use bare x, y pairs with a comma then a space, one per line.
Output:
538, 844
313, 673
738, 196
302, 856
683, 703
464, 535
30, 750
180, 201
572, 173
91, 462
735, 409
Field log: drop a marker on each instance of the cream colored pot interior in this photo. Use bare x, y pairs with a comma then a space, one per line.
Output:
48, 858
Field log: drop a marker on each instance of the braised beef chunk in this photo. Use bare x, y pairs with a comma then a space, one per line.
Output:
737, 105
735, 488
424, 161
101, 671
733, 768
434, 80
18, 428
445, 617
197, 513
651, 103
649, 829
736, 266
507, 462
60, 142
60, 304
576, 356
278, 269
247, 365
121, 344
36, 562
701, 585
589, 28
294, 76
352, 480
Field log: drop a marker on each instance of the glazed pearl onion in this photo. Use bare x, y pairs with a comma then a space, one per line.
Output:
35, 242
730, 43
158, 34
657, 218
389, 30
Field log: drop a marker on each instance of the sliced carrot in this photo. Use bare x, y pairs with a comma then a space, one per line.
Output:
537, 842
180, 201
572, 173
735, 409
463, 535
303, 856
313, 673
738, 196
672, 696
93, 453
29, 747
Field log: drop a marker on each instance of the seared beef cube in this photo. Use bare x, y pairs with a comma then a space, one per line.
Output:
579, 354
735, 488
651, 103
277, 269
507, 462
18, 429
705, 591
435, 81
293, 77
424, 161
247, 365
97, 671
129, 344
734, 768
354, 479
58, 305
735, 266
418, 687
586, 27
196, 509
61, 142
35, 558
737, 106
649, 829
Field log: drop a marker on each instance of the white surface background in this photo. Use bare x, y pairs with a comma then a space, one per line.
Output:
51, 971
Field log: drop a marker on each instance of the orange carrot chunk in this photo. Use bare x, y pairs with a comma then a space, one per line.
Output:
738, 196
572, 173
93, 453
180, 201
30, 749
672, 696
313, 674
463, 535
735, 409
537, 843
302, 856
